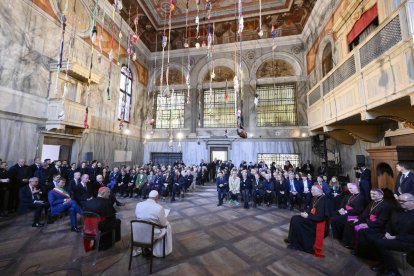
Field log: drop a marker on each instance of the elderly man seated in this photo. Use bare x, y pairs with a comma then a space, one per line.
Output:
103, 206
151, 211
30, 198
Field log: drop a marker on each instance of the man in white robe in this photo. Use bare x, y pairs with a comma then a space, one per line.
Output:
150, 210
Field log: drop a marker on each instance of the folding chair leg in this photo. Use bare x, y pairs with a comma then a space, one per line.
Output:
97, 250
404, 262
130, 257
151, 261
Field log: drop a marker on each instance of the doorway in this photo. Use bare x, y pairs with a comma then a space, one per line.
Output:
219, 153
57, 148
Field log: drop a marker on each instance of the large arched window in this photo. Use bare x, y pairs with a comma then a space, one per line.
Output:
327, 59
125, 94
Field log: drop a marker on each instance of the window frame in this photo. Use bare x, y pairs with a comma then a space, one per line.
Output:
277, 108
219, 93
168, 109
124, 93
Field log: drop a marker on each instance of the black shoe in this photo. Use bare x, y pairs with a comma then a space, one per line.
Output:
377, 268
291, 208
75, 229
286, 241
37, 224
219, 204
392, 273
291, 247
120, 204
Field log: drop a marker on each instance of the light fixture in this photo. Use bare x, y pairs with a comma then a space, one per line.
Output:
170, 143
304, 134
147, 136
197, 45
180, 135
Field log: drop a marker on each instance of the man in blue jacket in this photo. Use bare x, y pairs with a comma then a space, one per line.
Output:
221, 188
295, 191
60, 201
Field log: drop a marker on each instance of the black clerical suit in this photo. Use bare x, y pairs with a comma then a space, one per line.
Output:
83, 193
302, 231
376, 215
401, 226
354, 205
405, 184
104, 208
365, 185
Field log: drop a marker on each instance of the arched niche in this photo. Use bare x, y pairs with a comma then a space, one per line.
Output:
327, 59
221, 62
222, 73
326, 41
275, 68
175, 76
287, 58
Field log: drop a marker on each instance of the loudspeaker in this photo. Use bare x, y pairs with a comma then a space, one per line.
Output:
88, 156
360, 159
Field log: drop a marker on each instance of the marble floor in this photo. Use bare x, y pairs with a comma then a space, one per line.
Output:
207, 240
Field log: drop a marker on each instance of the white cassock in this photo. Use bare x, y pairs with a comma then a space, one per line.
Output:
150, 210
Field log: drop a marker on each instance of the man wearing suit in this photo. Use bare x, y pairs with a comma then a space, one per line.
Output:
245, 187
30, 198
84, 190
20, 177
113, 179
405, 180
55, 168
221, 188
258, 190
158, 182
365, 183
103, 206
35, 166
295, 191
60, 201
306, 194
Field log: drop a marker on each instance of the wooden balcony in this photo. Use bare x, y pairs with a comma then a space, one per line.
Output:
65, 113
373, 82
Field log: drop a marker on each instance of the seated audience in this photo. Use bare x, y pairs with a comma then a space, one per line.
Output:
282, 191
234, 187
85, 190
258, 190
221, 188
268, 190
295, 192
30, 198
60, 202
150, 210
103, 206
4, 189
245, 186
